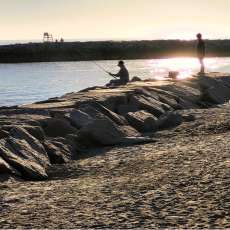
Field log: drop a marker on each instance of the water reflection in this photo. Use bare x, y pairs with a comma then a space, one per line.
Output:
185, 66
25, 83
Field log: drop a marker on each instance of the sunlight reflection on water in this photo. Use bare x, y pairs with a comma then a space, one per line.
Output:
185, 66
30, 82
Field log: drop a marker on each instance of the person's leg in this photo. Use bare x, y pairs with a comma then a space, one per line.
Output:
117, 82
202, 68
114, 83
202, 65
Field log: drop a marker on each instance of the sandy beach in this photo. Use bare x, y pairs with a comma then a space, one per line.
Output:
180, 181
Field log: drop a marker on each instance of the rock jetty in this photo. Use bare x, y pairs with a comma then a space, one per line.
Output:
147, 155
56, 131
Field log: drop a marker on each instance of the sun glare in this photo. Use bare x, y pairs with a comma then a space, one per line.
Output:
185, 66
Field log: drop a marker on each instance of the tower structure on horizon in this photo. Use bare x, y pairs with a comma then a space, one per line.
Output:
47, 37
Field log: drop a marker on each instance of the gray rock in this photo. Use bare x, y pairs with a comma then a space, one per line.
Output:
25, 154
187, 104
57, 127
172, 102
97, 111
20, 155
58, 150
119, 120
135, 78
79, 119
147, 93
147, 103
3, 134
112, 102
5, 168
182, 91
105, 132
35, 151
213, 90
142, 121
35, 131
169, 120
188, 117
129, 131
217, 95
124, 109
92, 111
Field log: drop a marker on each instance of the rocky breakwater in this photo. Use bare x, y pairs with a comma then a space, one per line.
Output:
56, 131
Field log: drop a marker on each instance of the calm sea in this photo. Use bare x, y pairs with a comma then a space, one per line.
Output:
26, 83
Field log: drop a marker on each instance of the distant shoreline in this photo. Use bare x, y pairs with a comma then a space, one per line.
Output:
108, 50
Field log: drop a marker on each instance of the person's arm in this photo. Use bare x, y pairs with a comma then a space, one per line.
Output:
115, 75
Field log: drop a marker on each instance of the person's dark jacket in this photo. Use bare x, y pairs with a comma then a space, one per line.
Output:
123, 74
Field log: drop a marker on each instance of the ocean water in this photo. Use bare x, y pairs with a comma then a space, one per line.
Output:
30, 82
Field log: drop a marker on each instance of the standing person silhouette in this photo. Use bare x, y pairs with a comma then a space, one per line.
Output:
201, 52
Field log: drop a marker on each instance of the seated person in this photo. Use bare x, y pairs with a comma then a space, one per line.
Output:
123, 76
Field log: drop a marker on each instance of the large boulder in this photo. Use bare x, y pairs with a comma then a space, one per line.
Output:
5, 168
150, 104
54, 127
35, 131
172, 102
92, 111
79, 118
169, 120
98, 111
3, 134
213, 90
58, 150
20, 134
218, 94
105, 132
119, 120
146, 92
124, 109
129, 131
20, 156
183, 91
113, 101
142, 121
25, 154
87, 113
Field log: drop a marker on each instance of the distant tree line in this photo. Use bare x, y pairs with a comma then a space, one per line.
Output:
108, 50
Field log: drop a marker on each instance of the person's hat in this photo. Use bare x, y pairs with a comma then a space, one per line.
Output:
121, 63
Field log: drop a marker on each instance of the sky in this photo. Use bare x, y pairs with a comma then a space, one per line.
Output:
114, 19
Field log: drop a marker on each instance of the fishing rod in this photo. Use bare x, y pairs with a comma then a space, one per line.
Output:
99, 66
103, 69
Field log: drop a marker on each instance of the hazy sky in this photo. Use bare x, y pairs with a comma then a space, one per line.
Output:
114, 19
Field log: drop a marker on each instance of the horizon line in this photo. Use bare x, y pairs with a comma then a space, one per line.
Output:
104, 40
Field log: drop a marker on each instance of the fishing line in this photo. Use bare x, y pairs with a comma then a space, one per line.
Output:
95, 63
